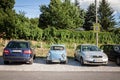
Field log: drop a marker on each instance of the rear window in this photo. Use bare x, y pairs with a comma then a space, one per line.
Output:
57, 48
17, 45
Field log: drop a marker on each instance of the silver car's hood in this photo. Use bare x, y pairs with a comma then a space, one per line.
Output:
94, 53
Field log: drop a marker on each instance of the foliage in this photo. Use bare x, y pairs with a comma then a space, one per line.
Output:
61, 15
57, 23
27, 28
51, 35
106, 17
7, 17
90, 17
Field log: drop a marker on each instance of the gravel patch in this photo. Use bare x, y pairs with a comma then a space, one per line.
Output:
40, 65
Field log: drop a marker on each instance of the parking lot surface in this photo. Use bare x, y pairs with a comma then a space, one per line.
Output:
40, 65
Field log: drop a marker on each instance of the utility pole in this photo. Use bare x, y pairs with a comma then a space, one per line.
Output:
96, 11
96, 23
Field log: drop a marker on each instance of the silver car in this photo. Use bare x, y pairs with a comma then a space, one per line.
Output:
57, 53
90, 54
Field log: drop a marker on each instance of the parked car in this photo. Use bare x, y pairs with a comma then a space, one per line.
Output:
18, 51
57, 53
113, 52
90, 54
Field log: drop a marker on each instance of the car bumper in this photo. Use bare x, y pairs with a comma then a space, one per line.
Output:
56, 60
17, 59
96, 62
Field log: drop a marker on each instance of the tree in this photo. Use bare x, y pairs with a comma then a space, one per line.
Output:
61, 15
90, 17
77, 3
106, 17
118, 22
27, 28
7, 17
6, 4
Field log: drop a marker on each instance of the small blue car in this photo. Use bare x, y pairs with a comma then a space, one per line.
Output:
57, 53
18, 51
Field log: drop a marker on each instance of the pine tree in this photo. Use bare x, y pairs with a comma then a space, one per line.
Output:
106, 17
90, 17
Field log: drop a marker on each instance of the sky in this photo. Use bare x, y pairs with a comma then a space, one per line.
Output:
32, 9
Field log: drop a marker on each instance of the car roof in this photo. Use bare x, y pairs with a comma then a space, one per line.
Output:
110, 45
19, 41
58, 45
88, 44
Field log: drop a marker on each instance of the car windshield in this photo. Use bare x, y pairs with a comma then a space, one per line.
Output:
90, 48
17, 45
57, 48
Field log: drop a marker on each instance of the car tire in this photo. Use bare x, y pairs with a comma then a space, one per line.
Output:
81, 61
65, 62
6, 62
47, 62
34, 56
118, 61
31, 61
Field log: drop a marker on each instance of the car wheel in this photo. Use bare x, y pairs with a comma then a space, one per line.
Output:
81, 61
31, 61
34, 56
6, 62
47, 62
65, 62
118, 61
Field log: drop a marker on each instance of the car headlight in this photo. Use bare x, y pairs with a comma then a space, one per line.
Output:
105, 56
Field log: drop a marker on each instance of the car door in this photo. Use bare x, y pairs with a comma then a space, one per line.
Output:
111, 53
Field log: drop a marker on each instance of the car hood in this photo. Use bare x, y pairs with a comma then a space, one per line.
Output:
94, 53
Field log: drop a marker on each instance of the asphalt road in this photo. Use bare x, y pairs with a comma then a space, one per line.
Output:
29, 75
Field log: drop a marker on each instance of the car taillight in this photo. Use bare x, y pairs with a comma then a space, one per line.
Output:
6, 51
27, 52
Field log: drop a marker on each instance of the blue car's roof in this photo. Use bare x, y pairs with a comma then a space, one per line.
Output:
58, 45
18, 44
19, 41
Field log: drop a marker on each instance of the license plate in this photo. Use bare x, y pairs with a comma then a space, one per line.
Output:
97, 60
16, 51
55, 61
